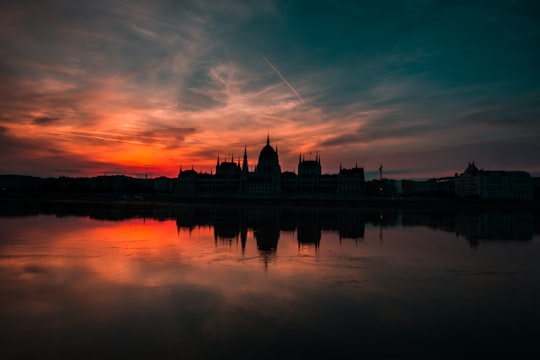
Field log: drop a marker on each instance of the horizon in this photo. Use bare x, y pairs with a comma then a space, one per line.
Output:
369, 175
143, 88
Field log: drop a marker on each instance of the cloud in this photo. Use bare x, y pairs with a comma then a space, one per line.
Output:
341, 140
390, 124
12, 146
111, 83
521, 112
284, 80
45, 120
169, 136
39, 157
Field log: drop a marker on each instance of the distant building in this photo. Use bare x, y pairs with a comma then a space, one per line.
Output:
234, 178
507, 185
441, 187
163, 185
384, 187
20, 183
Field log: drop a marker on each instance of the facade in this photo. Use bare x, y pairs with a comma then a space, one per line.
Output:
351, 182
234, 178
309, 175
502, 185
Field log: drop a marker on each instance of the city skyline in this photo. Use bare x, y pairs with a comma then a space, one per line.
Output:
139, 88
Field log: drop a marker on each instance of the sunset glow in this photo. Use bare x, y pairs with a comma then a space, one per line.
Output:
144, 88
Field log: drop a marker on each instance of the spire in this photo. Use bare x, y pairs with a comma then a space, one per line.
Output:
245, 165
268, 139
300, 158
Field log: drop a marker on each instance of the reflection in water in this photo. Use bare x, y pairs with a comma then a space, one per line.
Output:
267, 223
485, 227
350, 223
230, 223
107, 281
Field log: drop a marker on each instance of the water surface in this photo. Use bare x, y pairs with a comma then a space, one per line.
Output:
200, 282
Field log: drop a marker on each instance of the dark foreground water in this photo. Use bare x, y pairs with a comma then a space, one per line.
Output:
208, 282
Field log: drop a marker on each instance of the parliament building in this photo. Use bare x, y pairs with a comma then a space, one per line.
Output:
233, 178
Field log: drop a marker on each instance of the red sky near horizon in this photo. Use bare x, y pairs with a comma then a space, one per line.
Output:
144, 89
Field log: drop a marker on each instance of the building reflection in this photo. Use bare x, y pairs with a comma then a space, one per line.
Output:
226, 227
351, 224
308, 229
265, 223
478, 228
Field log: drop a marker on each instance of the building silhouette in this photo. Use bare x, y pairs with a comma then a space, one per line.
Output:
233, 178
498, 184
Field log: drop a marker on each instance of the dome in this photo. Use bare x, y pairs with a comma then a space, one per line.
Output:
268, 160
268, 152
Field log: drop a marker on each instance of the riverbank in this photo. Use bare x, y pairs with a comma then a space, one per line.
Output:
433, 204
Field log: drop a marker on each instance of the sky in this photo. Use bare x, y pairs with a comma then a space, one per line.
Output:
144, 88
